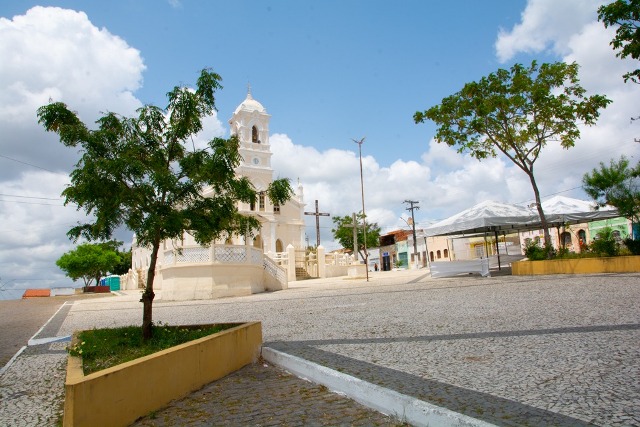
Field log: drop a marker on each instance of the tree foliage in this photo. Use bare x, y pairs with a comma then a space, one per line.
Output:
516, 113
626, 15
617, 185
139, 172
89, 262
343, 232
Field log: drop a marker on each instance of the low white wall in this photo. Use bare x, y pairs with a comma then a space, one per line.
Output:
62, 291
336, 270
206, 281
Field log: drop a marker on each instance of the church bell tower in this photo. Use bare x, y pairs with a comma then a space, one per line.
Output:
250, 122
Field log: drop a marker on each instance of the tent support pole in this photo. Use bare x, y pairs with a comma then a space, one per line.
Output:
498, 250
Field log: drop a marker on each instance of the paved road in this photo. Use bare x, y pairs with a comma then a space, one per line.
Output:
21, 319
548, 350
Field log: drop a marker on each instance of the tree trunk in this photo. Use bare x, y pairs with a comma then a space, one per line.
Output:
148, 295
543, 218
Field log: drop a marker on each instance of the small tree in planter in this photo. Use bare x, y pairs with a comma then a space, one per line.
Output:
142, 173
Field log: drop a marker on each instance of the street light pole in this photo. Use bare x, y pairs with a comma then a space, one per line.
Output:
364, 215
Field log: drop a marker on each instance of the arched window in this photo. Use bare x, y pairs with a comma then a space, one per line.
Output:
254, 135
446, 253
279, 246
431, 255
257, 242
582, 236
439, 254
565, 238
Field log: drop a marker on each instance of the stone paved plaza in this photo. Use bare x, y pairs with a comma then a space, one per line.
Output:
539, 351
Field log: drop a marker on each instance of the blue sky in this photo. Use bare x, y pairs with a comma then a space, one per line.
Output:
326, 71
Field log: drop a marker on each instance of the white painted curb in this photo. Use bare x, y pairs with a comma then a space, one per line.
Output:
406, 408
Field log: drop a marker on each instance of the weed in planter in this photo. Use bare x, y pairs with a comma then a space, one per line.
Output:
104, 348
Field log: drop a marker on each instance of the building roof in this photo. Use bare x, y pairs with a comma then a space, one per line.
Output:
250, 105
33, 293
393, 237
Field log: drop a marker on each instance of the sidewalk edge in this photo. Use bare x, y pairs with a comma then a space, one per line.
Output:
389, 402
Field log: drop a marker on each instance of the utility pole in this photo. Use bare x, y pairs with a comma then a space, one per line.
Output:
413, 205
317, 214
364, 215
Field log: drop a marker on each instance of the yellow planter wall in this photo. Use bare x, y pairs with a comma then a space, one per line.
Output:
622, 264
118, 396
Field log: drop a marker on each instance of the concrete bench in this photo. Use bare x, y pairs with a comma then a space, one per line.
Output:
453, 268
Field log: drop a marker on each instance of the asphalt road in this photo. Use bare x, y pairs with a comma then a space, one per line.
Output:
21, 319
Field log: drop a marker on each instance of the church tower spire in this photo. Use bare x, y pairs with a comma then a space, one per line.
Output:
250, 122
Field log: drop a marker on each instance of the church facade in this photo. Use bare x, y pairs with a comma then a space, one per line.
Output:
185, 270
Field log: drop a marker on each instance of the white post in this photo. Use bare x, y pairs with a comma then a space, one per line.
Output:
322, 265
291, 263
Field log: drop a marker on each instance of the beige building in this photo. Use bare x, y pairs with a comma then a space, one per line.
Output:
185, 270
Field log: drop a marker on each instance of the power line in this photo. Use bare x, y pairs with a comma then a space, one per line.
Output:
28, 164
30, 197
29, 203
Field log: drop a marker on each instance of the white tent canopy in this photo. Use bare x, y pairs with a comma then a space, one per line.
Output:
498, 217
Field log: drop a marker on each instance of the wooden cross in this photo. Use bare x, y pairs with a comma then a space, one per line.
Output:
317, 214
354, 226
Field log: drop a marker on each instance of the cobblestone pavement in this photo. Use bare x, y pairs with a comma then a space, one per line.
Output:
547, 350
261, 394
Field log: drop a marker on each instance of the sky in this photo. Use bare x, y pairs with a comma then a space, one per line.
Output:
328, 72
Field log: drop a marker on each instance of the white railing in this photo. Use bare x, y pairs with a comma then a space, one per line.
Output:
275, 271
338, 259
215, 254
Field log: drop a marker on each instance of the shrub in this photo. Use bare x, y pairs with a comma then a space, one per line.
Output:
605, 243
535, 252
632, 245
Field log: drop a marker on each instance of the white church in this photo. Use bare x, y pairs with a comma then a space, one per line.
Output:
241, 265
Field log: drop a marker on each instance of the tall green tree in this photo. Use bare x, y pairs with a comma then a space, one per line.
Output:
89, 262
343, 232
626, 15
516, 113
141, 172
617, 185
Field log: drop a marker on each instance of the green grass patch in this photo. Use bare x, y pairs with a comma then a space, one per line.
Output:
103, 348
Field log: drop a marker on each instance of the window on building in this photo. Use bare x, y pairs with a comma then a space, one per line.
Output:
261, 201
439, 254
276, 208
582, 237
617, 236
565, 238
252, 205
431, 256
446, 253
254, 135
279, 246
413, 258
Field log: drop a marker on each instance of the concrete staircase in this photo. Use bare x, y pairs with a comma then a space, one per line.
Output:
301, 274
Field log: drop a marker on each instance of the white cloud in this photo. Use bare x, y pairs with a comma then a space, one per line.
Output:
50, 53
57, 54
545, 25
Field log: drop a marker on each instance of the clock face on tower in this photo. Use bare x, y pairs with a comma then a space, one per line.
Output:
256, 161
